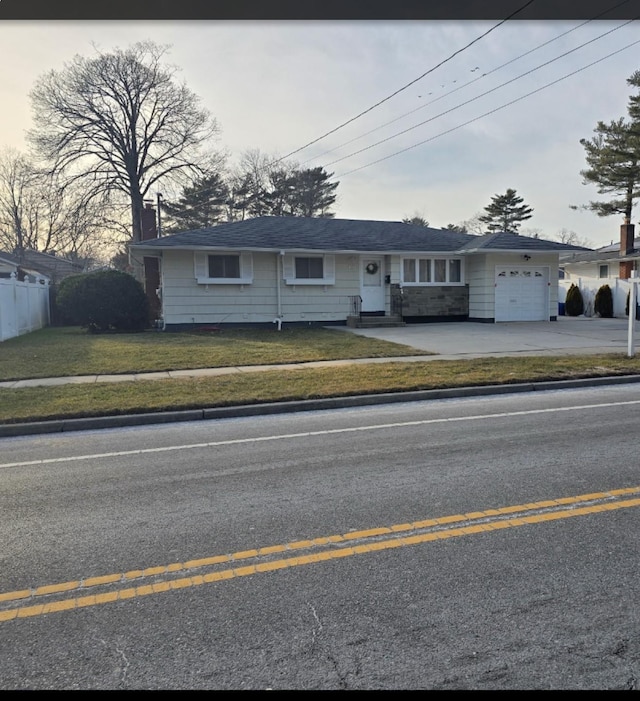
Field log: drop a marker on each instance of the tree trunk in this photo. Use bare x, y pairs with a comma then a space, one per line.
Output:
136, 236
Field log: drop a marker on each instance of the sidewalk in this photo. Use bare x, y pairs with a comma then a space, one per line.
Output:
448, 341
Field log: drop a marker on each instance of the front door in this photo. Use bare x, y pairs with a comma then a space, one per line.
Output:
372, 285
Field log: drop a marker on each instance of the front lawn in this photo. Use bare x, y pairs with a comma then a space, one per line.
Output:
61, 352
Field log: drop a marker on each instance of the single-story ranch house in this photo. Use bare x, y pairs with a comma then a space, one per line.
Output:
322, 271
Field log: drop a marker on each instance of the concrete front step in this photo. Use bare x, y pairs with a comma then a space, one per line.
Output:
374, 322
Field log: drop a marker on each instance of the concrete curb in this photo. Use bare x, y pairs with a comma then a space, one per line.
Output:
100, 422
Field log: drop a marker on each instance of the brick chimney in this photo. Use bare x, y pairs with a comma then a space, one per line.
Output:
627, 238
149, 228
151, 265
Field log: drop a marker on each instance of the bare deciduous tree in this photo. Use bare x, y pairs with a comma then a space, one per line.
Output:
572, 238
120, 121
474, 225
41, 213
17, 182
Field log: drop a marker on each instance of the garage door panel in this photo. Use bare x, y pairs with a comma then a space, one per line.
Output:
522, 293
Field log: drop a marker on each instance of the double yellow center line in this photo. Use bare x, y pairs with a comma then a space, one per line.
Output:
155, 580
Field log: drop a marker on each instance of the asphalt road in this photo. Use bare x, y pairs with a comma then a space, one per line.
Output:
477, 543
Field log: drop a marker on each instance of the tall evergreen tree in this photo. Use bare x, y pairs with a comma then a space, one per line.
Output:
201, 204
613, 160
312, 194
506, 212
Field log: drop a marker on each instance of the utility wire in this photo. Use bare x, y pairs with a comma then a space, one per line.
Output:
464, 85
497, 109
624, 2
477, 97
377, 104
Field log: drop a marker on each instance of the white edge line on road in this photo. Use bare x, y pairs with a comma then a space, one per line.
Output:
325, 432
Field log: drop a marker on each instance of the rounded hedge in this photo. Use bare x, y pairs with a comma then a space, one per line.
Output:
603, 303
107, 300
574, 303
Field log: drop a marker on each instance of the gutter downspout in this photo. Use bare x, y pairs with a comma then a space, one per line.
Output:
278, 319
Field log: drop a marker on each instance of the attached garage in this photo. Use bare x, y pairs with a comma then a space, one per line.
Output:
522, 293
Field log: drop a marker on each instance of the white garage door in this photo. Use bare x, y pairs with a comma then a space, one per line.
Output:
522, 293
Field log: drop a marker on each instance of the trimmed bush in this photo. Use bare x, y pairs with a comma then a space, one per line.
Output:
626, 306
603, 303
108, 300
574, 303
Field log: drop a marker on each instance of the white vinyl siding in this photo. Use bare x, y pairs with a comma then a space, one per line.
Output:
223, 268
303, 269
185, 301
480, 274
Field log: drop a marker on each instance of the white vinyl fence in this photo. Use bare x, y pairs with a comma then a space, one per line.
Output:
589, 286
24, 306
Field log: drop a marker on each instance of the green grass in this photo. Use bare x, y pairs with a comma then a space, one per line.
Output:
69, 351
61, 352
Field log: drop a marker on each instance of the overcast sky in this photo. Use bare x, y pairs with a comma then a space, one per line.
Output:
278, 85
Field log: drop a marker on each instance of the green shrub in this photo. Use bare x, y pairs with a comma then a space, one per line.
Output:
574, 303
626, 306
603, 303
108, 300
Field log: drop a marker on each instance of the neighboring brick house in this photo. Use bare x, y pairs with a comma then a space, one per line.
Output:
617, 260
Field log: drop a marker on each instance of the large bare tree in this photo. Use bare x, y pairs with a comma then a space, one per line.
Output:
16, 183
120, 121
41, 213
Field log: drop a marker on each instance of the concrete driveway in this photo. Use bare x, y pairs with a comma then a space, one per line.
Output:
566, 336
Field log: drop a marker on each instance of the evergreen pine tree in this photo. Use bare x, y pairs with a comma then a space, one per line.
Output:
613, 160
201, 205
506, 212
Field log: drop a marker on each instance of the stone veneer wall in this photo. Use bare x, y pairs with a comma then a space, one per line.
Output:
433, 301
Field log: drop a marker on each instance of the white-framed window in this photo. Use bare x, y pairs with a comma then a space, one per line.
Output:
603, 271
432, 271
223, 268
309, 269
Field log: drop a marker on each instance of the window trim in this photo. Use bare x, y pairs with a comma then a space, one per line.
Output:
432, 283
201, 266
328, 269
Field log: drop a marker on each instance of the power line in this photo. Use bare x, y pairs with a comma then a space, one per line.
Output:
377, 104
464, 85
610, 9
477, 97
497, 109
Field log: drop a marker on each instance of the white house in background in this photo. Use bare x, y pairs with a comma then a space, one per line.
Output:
611, 265
316, 271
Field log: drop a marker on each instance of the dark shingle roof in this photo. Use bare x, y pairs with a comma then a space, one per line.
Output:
315, 234
605, 254
52, 266
503, 241
12, 259
342, 235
